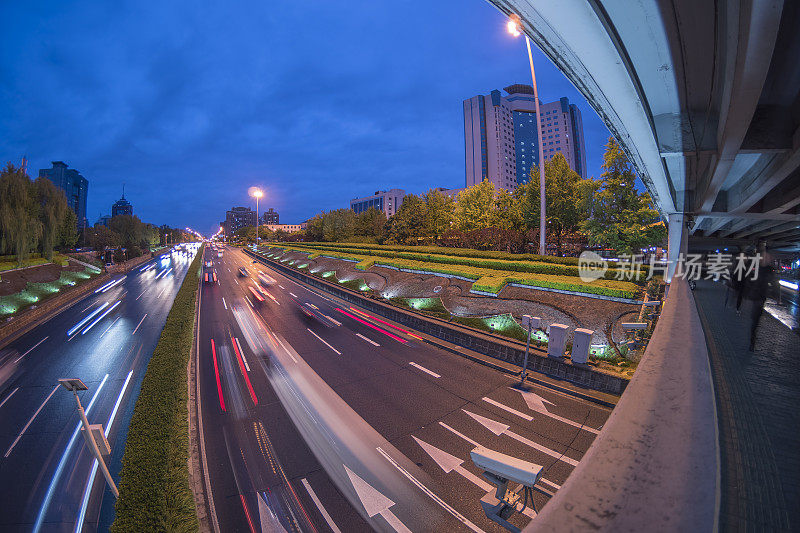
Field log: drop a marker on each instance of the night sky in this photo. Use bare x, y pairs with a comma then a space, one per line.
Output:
318, 102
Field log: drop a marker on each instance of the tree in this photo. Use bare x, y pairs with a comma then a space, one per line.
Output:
19, 220
407, 226
101, 237
439, 214
474, 206
314, 231
621, 217
565, 205
52, 208
68, 232
370, 223
338, 225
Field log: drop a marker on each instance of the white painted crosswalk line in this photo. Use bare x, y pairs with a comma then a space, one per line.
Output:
499, 428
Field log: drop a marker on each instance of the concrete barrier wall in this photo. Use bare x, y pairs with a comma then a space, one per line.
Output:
654, 467
474, 340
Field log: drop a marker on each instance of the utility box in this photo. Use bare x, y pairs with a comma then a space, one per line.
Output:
530, 322
557, 340
99, 436
580, 345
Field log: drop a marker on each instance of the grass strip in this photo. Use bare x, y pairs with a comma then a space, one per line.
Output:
154, 491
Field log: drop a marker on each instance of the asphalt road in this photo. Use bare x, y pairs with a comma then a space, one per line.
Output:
343, 421
48, 481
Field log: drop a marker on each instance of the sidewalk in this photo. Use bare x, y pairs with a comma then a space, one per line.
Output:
757, 395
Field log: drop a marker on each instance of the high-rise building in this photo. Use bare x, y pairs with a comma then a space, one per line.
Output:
122, 206
75, 187
270, 216
238, 217
386, 201
500, 138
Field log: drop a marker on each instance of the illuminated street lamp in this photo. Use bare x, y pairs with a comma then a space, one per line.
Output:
256, 193
515, 28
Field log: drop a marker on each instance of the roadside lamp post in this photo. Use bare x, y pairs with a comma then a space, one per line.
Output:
93, 433
256, 193
514, 28
529, 322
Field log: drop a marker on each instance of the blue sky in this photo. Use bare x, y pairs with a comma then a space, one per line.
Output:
318, 102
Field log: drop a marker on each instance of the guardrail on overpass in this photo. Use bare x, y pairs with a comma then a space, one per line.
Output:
655, 465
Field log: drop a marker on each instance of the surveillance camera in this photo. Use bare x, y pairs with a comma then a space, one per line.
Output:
506, 467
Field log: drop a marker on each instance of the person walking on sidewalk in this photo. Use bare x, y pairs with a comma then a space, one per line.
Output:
756, 290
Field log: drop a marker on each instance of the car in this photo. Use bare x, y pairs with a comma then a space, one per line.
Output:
208, 263
255, 261
243, 272
8, 365
210, 276
219, 254
258, 297
266, 280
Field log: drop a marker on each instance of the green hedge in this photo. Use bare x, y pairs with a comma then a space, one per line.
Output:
535, 264
154, 492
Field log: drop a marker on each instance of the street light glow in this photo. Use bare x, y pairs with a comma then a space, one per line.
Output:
513, 26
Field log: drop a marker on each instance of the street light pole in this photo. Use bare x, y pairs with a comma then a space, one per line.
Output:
514, 26
257, 221
257, 193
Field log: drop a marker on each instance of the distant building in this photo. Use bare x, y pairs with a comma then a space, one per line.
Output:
452, 193
289, 228
103, 220
122, 206
238, 217
387, 201
270, 217
500, 140
75, 187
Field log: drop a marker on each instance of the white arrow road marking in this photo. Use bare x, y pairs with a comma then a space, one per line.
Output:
499, 428
374, 502
475, 443
450, 463
537, 403
464, 520
507, 408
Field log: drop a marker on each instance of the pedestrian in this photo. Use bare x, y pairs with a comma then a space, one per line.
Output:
756, 290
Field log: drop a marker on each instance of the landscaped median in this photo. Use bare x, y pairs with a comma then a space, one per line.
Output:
489, 274
154, 491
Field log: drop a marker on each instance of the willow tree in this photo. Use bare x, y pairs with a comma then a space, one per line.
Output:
19, 221
52, 209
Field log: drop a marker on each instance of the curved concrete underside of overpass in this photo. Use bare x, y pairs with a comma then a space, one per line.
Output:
702, 95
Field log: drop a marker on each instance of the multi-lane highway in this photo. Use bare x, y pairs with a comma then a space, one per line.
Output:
48, 479
319, 416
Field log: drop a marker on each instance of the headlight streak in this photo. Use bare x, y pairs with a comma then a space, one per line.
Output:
54, 481
88, 491
80, 324
98, 319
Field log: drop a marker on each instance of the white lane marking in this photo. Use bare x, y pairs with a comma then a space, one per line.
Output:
108, 328
372, 342
430, 493
331, 319
223, 303
139, 324
236, 280
323, 341
144, 291
162, 292
293, 295
499, 428
281, 286
507, 408
321, 508
537, 403
9, 396
8, 452
375, 502
431, 372
241, 352
87, 307
31, 349
248, 301
475, 443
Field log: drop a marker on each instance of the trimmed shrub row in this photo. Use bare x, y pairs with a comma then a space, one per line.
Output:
154, 492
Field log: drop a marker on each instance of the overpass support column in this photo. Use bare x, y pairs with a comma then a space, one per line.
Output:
677, 240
